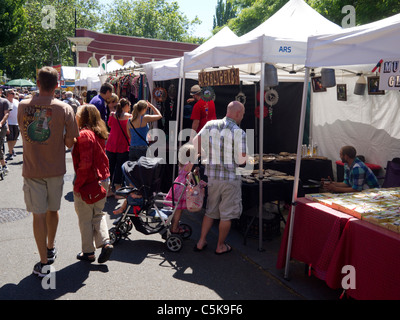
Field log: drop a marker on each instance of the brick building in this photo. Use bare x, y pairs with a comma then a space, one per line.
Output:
91, 46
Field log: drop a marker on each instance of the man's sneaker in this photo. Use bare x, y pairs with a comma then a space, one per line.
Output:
38, 270
51, 255
9, 156
5, 170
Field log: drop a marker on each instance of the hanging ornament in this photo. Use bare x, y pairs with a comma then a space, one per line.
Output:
257, 112
207, 94
271, 97
172, 91
160, 94
241, 97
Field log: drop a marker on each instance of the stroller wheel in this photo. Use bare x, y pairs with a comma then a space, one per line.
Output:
129, 224
188, 230
174, 243
115, 235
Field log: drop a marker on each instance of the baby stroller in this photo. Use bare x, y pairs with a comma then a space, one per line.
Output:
147, 210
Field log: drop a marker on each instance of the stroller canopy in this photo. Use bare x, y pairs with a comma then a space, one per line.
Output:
146, 172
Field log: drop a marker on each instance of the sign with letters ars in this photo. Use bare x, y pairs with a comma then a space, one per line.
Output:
390, 75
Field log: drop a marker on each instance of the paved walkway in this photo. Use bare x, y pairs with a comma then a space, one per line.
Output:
140, 268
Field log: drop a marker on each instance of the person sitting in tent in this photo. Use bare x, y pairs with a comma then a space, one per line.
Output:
357, 175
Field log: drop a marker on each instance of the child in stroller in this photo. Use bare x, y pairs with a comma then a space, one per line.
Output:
145, 206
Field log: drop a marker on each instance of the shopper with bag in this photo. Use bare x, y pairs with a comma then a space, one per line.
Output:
117, 147
138, 127
90, 183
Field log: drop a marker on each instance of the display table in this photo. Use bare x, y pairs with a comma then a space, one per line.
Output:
326, 240
314, 169
272, 191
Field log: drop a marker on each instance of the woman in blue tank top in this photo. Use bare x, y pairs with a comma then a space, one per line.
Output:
138, 127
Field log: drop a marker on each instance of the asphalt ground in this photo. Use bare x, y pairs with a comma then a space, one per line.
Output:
141, 268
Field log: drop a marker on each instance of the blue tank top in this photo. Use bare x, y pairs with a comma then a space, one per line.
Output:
135, 139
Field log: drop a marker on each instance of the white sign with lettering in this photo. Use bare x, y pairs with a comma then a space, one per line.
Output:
390, 75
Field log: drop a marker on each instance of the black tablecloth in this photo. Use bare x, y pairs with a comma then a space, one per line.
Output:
272, 191
314, 169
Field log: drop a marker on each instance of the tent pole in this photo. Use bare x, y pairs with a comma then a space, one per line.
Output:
182, 102
297, 171
260, 159
178, 115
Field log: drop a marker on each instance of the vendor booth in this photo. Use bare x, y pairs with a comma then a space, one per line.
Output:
333, 235
81, 77
273, 42
281, 41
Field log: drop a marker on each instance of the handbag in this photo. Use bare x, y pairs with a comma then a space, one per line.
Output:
92, 192
194, 193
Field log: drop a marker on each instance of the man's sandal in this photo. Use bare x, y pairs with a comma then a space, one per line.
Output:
86, 256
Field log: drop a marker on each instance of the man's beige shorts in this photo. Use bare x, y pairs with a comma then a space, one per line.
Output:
224, 199
42, 195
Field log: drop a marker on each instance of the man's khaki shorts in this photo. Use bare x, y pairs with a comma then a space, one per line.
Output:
42, 195
224, 199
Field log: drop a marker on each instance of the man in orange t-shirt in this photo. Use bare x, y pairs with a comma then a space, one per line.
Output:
203, 111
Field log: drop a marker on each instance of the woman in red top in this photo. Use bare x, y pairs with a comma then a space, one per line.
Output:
117, 147
91, 164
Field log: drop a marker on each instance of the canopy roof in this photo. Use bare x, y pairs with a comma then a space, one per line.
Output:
68, 73
365, 44
171, 68
280, 39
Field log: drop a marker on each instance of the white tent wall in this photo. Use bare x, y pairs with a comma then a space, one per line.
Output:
368, 122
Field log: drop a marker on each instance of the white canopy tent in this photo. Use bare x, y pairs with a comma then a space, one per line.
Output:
173, 69
364, 45
281, 40
83, 76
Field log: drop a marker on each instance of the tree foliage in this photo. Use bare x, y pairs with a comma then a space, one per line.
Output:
157, 19
251, 13
366, 11
224, 11
44, 41
12, 21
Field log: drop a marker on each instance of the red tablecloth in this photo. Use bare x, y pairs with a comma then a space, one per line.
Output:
316, 233
327, 240
374, 252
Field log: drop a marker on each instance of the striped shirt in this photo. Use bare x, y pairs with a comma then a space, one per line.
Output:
358, 175
224, 141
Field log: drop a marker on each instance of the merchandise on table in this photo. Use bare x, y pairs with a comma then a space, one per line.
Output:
377, 206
